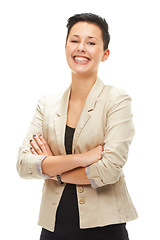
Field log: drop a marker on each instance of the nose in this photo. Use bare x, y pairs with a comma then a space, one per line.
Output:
81, 48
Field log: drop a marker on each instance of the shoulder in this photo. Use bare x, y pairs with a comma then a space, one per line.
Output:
114, 97
52, 98
48, 101
113, 94
115, 91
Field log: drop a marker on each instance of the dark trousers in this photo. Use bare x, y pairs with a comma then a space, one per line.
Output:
111, 232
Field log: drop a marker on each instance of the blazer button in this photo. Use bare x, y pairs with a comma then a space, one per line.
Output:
82, 201
80, 189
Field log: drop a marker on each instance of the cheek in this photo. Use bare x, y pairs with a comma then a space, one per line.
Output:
67, 51
96, 54
97, 57
68, 55
70, 48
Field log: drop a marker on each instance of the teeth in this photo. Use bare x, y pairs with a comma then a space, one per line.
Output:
81, 59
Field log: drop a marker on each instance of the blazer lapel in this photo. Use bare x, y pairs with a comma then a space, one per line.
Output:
87, 110
61, 118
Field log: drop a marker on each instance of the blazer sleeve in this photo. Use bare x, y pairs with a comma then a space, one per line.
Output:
27, 162
119, 132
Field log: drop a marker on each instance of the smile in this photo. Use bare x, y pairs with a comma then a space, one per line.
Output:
81, 60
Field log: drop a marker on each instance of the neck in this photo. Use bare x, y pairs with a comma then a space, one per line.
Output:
81, 86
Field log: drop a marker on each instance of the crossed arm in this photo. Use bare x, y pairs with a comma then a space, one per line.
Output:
72, 166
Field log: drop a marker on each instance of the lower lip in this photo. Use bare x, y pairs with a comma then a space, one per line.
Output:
81, 63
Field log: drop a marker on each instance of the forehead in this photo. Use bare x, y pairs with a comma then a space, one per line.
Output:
85, 29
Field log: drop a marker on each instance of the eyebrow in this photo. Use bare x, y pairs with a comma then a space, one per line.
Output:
78, 36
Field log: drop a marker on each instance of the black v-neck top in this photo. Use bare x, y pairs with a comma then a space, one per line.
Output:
67, 217
67, 212
69, 139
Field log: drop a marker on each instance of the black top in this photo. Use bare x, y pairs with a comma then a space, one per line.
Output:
67, 217
67, 212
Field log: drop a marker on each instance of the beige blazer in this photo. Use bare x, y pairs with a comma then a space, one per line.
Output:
106, 119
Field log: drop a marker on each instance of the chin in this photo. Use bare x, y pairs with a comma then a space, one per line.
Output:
80, 70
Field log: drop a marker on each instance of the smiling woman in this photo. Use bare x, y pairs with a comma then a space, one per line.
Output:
78, 143
85, 46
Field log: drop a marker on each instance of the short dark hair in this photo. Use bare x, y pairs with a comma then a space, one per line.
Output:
91, 18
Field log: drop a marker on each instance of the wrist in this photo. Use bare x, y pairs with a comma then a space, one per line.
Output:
80, 159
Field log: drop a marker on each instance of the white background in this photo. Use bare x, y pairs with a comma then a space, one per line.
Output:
32, 63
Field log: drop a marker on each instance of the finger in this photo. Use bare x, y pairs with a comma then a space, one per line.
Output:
103, 146
47, 147
40, 144
42, 139
32, 151
35, 147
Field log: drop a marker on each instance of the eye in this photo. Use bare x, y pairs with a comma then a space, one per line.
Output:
74, 41
91, 43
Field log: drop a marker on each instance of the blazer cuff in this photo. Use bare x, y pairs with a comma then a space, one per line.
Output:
39, 168
93, 184
94, 176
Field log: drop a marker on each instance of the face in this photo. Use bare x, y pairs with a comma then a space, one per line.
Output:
85, 49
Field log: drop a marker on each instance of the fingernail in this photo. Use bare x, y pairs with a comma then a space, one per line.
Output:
40, 135
34, 135
31, 140
31, 148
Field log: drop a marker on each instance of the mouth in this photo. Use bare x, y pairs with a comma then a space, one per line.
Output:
81, 59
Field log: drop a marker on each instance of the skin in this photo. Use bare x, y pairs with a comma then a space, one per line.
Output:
84, 51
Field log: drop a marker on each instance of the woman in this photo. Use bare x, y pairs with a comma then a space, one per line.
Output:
79, 142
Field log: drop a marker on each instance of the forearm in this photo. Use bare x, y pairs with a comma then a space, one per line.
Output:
54, 165
75, 176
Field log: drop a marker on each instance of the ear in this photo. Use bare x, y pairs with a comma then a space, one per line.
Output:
105, 55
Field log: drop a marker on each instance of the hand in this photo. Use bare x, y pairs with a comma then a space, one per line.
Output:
40, 146
92, 156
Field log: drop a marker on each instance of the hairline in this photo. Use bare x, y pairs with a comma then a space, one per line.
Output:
89, 22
